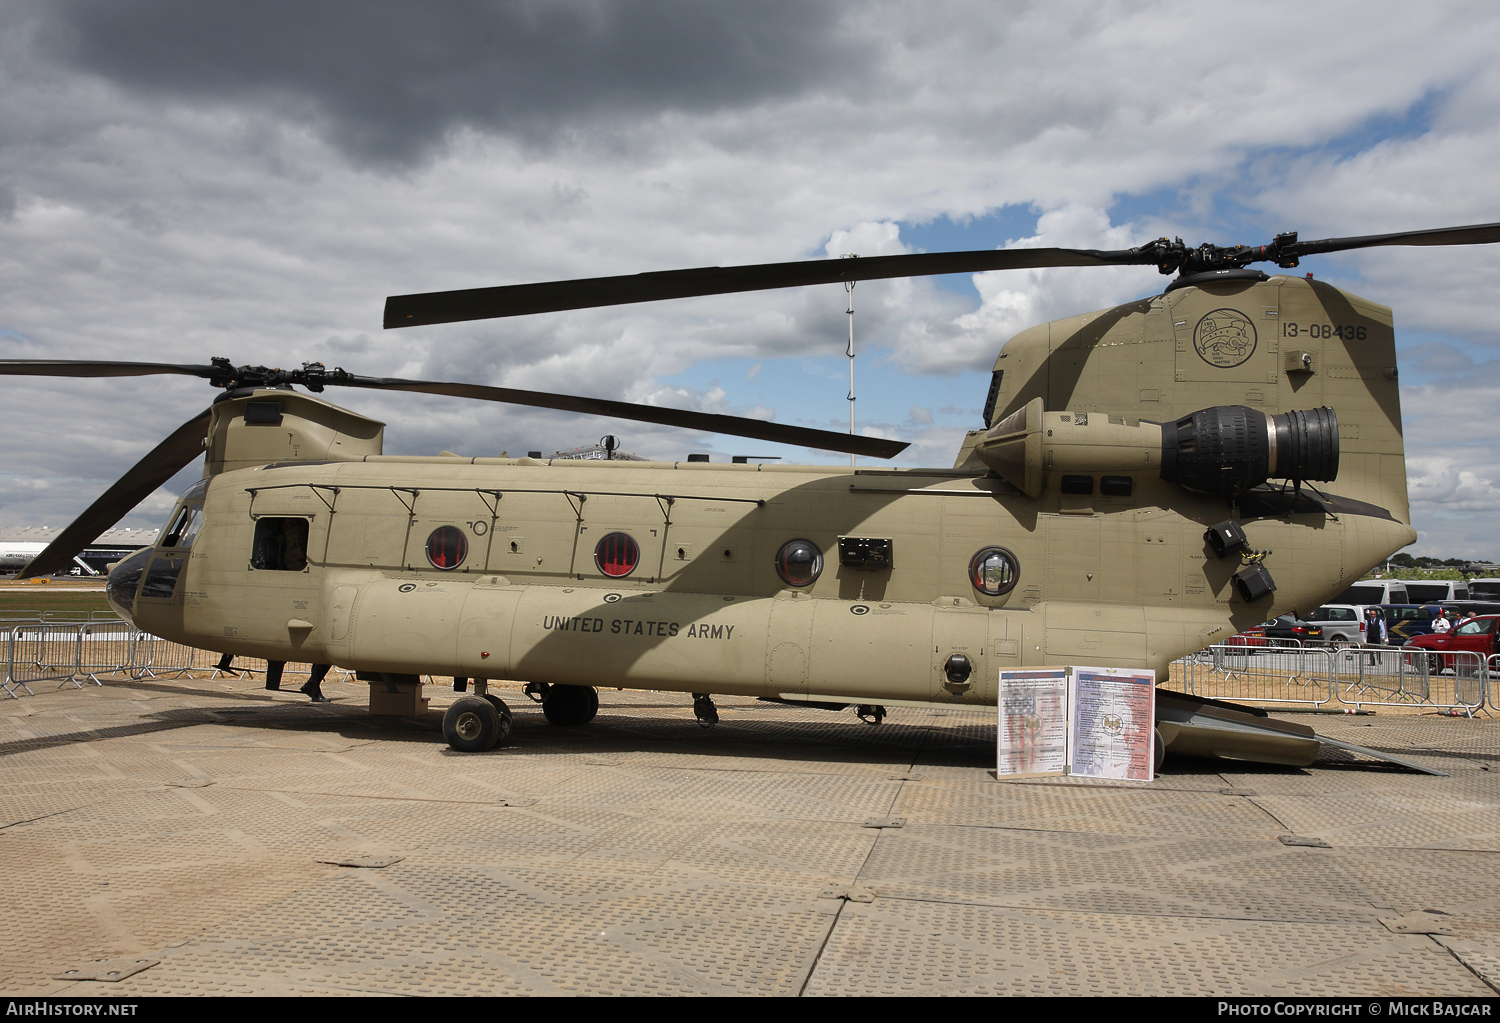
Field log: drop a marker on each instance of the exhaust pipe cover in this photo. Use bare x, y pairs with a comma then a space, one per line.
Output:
1228, 449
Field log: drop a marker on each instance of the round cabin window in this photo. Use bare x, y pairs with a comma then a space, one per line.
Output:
447, 547
799, 562
994, 571
617, 555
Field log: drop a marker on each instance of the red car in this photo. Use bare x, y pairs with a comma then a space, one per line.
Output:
1250, 637
1479, 635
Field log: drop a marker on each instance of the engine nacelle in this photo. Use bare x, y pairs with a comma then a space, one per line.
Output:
1226, 449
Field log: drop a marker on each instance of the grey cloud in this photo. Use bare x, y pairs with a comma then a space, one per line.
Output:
387, 81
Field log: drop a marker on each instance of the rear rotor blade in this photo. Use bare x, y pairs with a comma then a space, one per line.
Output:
185, 444
1474, 234
553, 296
734, 426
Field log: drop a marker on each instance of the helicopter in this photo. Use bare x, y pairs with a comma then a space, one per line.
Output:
1148, 480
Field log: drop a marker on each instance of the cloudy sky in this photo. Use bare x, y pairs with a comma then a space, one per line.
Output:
181, 179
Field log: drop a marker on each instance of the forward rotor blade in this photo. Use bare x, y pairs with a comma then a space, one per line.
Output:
82, 368
185, 444
1474, 234
734, 426
553, 296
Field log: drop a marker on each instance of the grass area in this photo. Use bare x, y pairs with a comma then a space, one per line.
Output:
19, 597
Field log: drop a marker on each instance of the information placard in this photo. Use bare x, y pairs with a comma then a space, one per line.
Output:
1033, 722
1113, 723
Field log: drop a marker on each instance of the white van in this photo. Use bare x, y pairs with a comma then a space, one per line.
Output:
1433, 590
1484, 589
1375, 591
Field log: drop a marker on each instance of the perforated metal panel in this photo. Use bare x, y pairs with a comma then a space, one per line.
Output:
645, 855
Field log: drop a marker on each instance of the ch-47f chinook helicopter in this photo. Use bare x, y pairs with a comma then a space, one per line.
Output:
1151, 479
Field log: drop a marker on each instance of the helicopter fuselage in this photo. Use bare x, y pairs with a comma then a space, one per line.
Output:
498, 568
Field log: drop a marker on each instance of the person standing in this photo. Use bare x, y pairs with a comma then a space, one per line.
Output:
314, 686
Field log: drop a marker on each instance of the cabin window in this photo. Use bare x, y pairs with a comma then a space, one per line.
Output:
280, 545
1116, 486
994, 571
799, 562
617, 554
447, 547
1078, 484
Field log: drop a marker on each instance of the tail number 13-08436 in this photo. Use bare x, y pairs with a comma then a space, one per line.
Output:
1322, 330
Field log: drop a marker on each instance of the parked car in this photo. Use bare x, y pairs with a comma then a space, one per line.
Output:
1478, 635
1280, 629
1250, 637
1470, 608
1340, 625
1404, 622
1309, 633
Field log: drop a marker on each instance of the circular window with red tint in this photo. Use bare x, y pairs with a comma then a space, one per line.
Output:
447, 547
994, 571
799, 562
617, 555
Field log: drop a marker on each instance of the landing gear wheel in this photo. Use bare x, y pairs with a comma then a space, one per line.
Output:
506, 717
569, 706
1158, 751
472, 725
704, 710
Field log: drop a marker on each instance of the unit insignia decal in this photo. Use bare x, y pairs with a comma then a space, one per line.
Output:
1224, 338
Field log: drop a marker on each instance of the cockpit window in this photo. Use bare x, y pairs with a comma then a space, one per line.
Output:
182, 528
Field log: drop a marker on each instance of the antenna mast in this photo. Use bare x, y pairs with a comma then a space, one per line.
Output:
849, 351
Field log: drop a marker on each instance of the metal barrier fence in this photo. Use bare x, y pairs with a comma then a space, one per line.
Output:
1453, 680
41, 653
1293, 675
1351, 677
77, 652
104, 648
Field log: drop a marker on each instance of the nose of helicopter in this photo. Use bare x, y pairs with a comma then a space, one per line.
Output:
122, 582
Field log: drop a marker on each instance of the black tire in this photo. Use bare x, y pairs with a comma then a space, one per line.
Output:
471, 725
1159, 751
570, 706
506, 717
1434, 664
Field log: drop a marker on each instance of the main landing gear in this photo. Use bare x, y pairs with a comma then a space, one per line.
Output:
704, 710
568, 706
477, 723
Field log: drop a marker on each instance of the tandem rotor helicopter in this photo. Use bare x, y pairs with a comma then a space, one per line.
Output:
1149, 479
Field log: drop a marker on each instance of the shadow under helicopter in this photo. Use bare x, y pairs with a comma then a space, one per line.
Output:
749, 736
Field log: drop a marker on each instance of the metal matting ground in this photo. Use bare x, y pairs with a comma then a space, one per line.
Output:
190, 823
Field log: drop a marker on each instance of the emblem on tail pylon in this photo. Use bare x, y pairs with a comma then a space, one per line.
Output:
1224, 338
